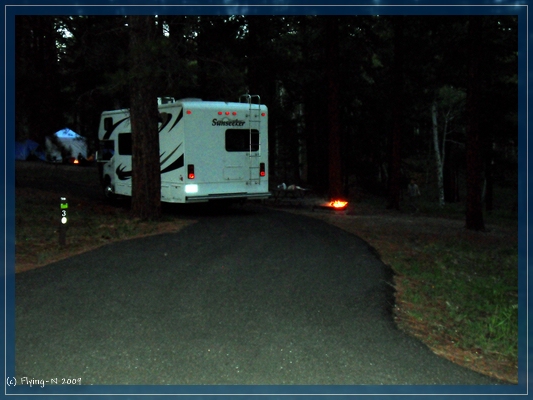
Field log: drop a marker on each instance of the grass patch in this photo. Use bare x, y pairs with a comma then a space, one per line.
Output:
470, 294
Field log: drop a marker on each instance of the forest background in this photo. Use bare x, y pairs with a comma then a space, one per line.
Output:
357, 104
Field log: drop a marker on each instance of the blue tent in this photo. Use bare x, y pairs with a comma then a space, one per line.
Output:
71, 144
28, 150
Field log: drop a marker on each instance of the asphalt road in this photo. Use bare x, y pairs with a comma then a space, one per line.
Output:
249, 296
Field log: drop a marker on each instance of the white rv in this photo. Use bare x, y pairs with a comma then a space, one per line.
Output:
208, 150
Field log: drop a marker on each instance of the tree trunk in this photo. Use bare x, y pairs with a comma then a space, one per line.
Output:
451, 175
202, 53
438, 159
489, 181
395, 164
474, 182
146, 175
255, 79
317, 144
315, 124
332, 75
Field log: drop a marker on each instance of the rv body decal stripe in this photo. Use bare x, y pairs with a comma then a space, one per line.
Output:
110, 131
163, 126
125, 175
170, 155
180, 116
121, 174
175, 165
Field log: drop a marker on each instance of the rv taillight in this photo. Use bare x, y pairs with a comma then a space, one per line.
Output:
189, 112
263, 114
262, 171
190, 171
234, 113
220, 113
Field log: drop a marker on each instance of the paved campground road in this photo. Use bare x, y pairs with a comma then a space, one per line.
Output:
247, 296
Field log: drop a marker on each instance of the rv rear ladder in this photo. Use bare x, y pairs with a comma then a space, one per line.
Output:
253, 119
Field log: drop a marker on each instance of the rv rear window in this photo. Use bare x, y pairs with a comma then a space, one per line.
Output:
124, 144
242, 140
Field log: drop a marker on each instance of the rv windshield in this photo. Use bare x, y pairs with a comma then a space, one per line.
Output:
107, 149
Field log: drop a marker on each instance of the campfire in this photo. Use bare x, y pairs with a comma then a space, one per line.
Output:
338, 204
335, 205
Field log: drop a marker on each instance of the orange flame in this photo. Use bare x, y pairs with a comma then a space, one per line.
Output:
76, 162
338, 204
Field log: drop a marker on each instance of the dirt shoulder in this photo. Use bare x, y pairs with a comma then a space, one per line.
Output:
92, 222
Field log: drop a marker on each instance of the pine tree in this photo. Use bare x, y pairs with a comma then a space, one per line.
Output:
146, 176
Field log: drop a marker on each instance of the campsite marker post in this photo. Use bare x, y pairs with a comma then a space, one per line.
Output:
63, 226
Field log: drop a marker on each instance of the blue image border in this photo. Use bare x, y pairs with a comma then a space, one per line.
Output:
263, 8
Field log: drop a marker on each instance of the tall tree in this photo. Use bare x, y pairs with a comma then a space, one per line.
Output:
439, 160
93, 61
146, 175
447, 108
334, 131
311, 60
39, 108
395, 142
220, 58
474, 205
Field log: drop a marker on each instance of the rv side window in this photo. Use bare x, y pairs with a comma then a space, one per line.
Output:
124, 144
107, 149
164, 119
108, 123
242, 140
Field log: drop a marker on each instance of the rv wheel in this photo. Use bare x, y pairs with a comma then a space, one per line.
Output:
108, 190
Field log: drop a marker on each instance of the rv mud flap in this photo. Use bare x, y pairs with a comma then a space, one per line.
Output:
244, 195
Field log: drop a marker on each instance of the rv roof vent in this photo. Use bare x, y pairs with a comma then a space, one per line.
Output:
190, 99
165, 100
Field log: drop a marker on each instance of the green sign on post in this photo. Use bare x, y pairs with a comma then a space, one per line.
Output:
63, 226
64, 207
